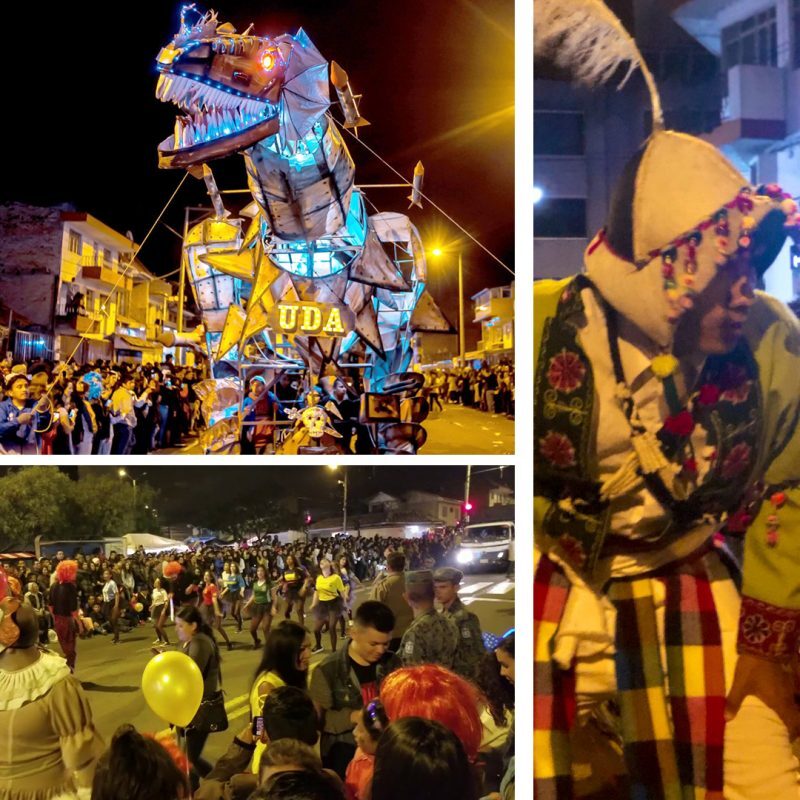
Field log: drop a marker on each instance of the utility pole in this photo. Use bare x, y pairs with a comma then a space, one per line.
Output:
460, 311
344, 502
466, 493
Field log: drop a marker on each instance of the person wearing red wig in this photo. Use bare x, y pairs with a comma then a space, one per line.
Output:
64, 608
436, 693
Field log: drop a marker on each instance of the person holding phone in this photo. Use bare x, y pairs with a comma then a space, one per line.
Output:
328, 603
284, 662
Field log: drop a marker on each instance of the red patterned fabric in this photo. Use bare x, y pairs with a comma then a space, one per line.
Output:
768, 631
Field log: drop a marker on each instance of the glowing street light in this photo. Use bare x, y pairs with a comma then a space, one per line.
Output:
343, 484
439, 251
538, 194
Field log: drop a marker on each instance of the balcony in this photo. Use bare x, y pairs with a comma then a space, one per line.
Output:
753, 111
100, 275
491, 303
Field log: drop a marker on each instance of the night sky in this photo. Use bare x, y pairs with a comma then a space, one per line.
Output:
83, 123
185, 491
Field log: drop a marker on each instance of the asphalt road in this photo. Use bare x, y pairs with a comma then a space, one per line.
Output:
454, 430
111, 674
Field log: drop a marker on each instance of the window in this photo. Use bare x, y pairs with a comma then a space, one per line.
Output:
796, 33
751, 41
558, 133
75, 243
560, 218
107, 257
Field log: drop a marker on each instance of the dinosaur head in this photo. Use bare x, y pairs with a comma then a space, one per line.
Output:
226, 87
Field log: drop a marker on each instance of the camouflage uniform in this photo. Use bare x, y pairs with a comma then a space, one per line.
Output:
431, 638
470, 648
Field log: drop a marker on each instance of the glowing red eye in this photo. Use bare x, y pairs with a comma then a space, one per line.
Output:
268, 60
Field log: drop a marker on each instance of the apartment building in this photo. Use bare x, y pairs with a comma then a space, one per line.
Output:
80, 291
757, 43
494, 311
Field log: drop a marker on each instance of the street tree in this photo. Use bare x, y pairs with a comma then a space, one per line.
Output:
34, 501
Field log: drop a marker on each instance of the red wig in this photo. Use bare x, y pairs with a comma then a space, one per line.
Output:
172, 569
435, 693
66, 571
175, 752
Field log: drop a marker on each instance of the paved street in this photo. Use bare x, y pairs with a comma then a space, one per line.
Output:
111, 673
455, 430
467, 431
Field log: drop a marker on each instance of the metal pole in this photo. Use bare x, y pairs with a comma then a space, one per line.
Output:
182, 289
134, 500
466, 492
461, 313
344, 504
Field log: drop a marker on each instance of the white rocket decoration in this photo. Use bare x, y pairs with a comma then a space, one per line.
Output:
416, 186
348, 100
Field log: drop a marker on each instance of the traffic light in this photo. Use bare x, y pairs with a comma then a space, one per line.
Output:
468, 506
308, 518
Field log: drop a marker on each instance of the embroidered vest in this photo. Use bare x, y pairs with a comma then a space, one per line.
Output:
565, 470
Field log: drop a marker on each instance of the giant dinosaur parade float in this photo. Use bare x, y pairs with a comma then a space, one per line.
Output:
303, 280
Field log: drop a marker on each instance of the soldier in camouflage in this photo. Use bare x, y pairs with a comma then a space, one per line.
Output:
470, 648
431, 638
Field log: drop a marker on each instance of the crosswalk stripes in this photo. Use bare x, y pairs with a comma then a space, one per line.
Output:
504, 587
472, 588
499, 592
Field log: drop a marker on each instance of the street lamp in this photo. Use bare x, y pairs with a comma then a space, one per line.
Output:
343, 484
436, 252
123, 474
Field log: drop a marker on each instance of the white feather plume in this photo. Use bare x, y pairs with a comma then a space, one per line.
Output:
586, 38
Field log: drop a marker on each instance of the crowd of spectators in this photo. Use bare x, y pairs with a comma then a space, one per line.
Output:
110, 588
490, 388
401, 727
98, 408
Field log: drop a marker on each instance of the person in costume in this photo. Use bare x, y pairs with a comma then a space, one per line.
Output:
64, 608
667, 400
50, 743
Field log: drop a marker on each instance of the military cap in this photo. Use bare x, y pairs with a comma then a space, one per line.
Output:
419, 577
449, 574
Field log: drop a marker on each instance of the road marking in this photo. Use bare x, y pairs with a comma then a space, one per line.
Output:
504, 587
486, 599
475, 587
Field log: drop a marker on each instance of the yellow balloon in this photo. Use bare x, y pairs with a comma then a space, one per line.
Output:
173, 687
138, 608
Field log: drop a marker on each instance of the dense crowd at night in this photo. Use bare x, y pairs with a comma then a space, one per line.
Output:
396, 677
105, 407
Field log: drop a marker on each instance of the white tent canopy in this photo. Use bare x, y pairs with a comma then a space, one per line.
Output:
151, 543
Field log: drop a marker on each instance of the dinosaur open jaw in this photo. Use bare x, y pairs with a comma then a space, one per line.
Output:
215, 121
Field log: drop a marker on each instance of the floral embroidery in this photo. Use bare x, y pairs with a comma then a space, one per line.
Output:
573, 550
566, 371
755, 629
558, 450
737, 461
